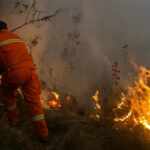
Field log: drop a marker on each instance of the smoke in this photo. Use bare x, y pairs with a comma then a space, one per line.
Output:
76, 50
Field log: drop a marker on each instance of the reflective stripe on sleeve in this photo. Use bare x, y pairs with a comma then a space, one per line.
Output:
10, 41
38, 117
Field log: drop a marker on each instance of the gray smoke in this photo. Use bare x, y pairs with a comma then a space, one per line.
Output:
75, 52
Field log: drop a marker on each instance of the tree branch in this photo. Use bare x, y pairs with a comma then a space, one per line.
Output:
32, 21
30, 9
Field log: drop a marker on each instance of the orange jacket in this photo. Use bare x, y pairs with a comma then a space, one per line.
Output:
15, 54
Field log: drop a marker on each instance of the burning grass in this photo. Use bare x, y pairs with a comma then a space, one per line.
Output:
71, 129
135, 102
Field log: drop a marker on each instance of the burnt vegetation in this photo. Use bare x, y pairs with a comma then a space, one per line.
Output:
70, 130
70, 127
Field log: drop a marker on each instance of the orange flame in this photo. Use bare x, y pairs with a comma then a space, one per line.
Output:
54, 102
97, 104
137, 101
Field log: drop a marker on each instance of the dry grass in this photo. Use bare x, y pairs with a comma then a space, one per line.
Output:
70, 132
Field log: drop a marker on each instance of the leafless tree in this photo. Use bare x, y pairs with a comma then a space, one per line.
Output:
33, 14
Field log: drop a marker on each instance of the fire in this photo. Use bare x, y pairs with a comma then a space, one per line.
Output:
137, 101
56, 95
54, 104
124, 117
97, 104
54, 101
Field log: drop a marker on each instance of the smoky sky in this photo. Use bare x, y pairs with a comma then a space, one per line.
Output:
104, 27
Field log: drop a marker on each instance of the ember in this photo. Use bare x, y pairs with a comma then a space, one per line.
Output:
54, 100
54, 104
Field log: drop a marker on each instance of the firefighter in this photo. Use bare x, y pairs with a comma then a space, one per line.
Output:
18, 71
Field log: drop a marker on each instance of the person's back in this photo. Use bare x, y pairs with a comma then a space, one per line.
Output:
18, 71
12, 54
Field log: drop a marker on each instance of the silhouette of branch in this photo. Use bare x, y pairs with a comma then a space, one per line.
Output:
32, 21
33, 7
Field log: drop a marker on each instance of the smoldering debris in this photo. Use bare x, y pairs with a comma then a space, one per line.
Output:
74, 53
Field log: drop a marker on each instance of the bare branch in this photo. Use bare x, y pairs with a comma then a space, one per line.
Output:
33, 6
32, 21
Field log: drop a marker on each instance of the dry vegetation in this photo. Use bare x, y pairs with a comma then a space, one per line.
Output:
69, 131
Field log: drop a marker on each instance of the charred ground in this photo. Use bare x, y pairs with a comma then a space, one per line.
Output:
71, 132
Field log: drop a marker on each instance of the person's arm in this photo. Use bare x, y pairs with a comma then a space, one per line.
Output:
2, 68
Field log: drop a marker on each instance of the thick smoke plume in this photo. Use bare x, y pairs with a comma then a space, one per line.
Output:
76, 49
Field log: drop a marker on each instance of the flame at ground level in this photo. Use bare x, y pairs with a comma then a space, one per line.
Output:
137, 101
54, 101
133, 109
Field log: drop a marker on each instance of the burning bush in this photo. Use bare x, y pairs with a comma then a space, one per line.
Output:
136, 101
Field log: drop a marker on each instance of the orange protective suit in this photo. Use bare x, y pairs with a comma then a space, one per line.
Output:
18, 71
